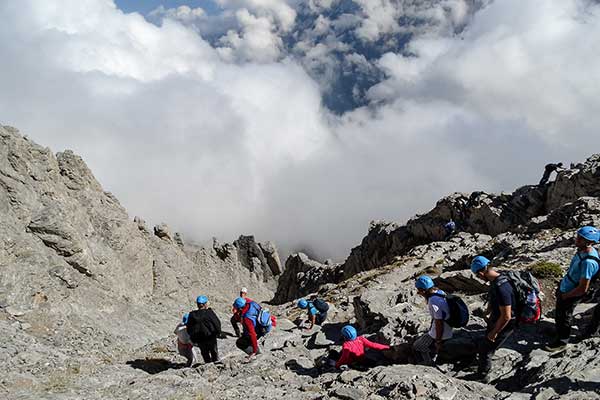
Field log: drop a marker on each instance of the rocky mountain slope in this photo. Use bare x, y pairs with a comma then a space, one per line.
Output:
89, 296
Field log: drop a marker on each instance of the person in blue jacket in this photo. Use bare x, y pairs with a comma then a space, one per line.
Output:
574, 285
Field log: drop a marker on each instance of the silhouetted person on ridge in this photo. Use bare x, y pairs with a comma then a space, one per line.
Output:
549, 169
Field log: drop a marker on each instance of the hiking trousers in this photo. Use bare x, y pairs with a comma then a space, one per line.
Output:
424, 346
487, 349
563, 316
209, 350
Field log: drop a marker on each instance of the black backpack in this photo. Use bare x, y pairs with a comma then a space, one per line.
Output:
202, 324
459, 312
321, 305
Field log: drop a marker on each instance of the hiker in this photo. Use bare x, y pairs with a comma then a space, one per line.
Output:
574, 285
353, 350
449, 229
439, 330
316, 310
548, 169
236, 317
184, 342
256, 323
501, 321
204, 327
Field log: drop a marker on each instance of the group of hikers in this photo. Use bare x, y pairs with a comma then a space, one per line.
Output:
513, 299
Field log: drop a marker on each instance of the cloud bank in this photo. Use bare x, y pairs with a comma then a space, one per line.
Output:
220, 125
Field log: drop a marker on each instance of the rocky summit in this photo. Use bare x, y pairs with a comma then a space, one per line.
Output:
90, 296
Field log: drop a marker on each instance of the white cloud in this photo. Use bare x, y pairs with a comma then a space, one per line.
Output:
222, 142
257, 42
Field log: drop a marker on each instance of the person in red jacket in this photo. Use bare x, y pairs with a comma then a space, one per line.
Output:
236, 318
353, 349
252, 331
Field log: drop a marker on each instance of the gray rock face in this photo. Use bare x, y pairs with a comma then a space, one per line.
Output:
162, 231
272, 256
78, 273
302, 276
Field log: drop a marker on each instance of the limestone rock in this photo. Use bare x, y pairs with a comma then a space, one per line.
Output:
162, 231
302, 276
272, 256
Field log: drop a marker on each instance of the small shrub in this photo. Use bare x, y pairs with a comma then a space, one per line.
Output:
546, 269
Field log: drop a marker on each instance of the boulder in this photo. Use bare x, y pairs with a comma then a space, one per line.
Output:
162, 231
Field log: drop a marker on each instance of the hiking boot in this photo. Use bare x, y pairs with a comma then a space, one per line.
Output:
555, 346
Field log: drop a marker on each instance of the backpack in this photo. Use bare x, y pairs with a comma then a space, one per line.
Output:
528, 309
321, 305
260, 317
264, 318
200, 326
459, 312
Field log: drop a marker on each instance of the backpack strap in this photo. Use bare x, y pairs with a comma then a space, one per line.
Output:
582, 259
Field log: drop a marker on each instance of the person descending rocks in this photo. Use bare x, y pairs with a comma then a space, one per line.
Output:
432, 341
316, 310
501, 315
355, 350
256, 322
204, 328
574, 285
549, 169
236, 318
184, 342
449, 229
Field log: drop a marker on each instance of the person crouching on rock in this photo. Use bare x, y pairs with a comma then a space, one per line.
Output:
353, 349
204, 327
432, 341
184, 342
255, 323
573, 287
501, 321
316, 310
236, 318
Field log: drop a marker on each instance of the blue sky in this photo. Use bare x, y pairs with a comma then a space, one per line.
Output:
145, 6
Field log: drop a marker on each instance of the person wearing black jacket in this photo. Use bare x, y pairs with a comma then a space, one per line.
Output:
204, 327
548, 169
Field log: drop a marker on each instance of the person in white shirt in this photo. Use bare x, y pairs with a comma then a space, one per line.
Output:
185, 347
440, 331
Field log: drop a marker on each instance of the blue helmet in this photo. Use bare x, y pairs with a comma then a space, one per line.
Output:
479, 263
185, 318
302, 303
240, 302
424, 282
349, 333
201, 299
589, 233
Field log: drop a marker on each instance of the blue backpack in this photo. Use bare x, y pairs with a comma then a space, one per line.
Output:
260, 317
264, 320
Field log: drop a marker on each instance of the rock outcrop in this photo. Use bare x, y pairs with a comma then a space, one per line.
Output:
302, 276
66, 241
